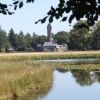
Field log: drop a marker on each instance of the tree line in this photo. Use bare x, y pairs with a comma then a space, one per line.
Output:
80, 37
20, 41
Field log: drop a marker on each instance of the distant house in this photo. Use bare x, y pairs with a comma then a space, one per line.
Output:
10, 50
49, 46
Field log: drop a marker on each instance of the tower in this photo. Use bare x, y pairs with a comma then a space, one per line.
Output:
49, 33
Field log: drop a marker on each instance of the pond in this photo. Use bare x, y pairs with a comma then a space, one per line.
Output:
72, 85
75, 61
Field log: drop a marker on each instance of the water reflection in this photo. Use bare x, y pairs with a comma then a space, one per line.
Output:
83, 77
74, 85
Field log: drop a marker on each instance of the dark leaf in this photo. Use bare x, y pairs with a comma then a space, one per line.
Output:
71, 18
21, 4
44, 19
52, 8
99, 1
15, 7
28, 1
64, 19
49, 13
32, 1
4, 12
16, 2
4, 5
10, 13
38, 21
51, 19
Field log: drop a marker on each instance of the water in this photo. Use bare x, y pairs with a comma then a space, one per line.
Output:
73, 85
84, 61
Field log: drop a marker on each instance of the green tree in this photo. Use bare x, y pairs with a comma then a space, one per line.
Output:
28, 39
12, 38
21, 43
3, 40
62, 37
41, 39
34, 40
79, 38
95, 39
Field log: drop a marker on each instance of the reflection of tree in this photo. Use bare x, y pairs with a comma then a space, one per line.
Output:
62, 70
82, 77
98, 76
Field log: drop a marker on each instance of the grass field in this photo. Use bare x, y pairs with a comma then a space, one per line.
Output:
48, 55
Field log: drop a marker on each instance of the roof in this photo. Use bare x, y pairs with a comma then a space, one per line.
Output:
50, 44
10, 49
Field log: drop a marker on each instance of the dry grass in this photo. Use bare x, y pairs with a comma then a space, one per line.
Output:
21, 77
48, 55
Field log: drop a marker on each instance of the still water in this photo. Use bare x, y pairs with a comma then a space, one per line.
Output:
75, 61
73, 85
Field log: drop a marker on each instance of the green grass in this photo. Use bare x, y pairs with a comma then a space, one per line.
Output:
66, 66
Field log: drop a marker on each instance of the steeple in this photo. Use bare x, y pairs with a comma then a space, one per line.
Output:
49, 33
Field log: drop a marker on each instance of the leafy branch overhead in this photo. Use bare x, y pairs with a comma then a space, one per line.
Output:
77, 9
4, 8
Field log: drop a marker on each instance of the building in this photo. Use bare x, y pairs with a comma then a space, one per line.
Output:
50, 45
10, 50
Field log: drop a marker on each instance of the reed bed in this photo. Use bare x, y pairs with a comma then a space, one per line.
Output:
66, 66
19, 78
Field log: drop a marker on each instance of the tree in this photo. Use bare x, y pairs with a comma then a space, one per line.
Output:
34, 40
28, 39
21, 43
3, 40
41, 39
89, 9
95, 39
62, 37
12, 38
79, 37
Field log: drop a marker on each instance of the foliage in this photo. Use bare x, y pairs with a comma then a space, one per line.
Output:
12, 38
95, 39
79, 37
62, 37
89, 9
21, 43
3, 40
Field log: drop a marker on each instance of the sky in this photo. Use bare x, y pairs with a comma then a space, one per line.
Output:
24, 19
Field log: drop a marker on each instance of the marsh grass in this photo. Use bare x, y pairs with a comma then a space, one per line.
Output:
66, 66
18, 78
50, 55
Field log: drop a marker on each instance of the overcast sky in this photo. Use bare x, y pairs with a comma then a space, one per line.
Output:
24, 18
